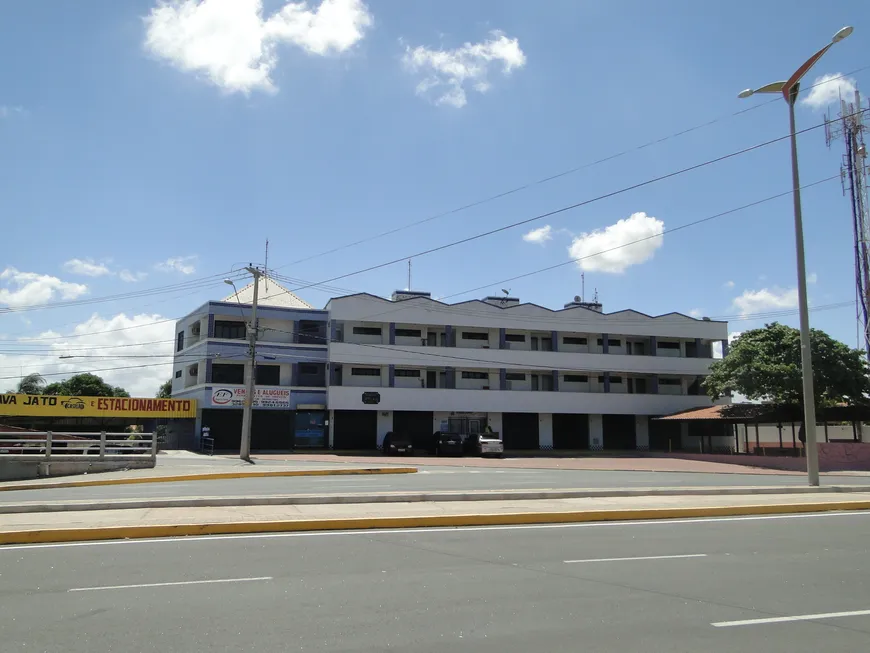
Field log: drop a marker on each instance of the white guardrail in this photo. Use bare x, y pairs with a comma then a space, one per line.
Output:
55, 445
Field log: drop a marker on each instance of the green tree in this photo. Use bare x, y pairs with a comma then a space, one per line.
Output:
165, 391
765, 364
85, 385
32, 384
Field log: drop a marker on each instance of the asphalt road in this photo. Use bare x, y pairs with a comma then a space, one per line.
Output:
429, 478
735, 584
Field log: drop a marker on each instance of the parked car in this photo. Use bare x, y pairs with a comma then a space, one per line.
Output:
447, 444
484, 444
397, 443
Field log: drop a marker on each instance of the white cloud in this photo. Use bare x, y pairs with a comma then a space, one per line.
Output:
728, 284
608, 249
131, 277
696, 312
812, 277
86, 267
31, 288
8, 112
766, 299
828, 89
110, 343
183, 264
235, 47
449, 72
540, 235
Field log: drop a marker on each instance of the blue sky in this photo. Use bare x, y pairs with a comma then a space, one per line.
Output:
142, 146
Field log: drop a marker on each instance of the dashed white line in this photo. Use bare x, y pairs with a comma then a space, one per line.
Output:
185, 582
671, 557
800, 617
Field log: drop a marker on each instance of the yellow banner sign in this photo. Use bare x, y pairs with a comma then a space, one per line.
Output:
60, 406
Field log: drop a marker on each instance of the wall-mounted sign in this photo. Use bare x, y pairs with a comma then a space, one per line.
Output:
64, 406
263, 397
371, 398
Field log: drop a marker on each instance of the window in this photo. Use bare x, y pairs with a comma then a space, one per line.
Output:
610, 342
367, 331
515, 376
365, 371
408, 333
546, 344
573, 340
229, 330
547, 382
670, 382
514, 337
308, 368
475, 375
227, 373
311, 332
668, 345
193, 370
178, 374
268, 375
412, 373
180, 344
576, 378
471, 335
616, 379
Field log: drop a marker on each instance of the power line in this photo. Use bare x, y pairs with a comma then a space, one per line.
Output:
555, 176
564, 209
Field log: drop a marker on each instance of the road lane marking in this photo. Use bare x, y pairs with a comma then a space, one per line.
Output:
439, 529
673, 557
800, 617
185, 582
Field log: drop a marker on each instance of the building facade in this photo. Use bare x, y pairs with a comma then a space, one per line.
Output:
211, 355
574, 378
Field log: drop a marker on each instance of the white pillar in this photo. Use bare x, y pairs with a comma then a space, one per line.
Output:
385, 424
545, 431
596, 433
495, 423
641, 430
330, 433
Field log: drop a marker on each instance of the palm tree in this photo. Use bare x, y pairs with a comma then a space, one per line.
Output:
32, 384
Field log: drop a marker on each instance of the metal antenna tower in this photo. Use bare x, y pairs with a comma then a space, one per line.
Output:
849, 126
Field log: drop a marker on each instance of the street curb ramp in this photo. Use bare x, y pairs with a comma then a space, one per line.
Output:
442, 521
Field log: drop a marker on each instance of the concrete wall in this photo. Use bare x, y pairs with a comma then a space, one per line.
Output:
19, 470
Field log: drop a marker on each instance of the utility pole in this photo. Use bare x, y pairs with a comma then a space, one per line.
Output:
248, 410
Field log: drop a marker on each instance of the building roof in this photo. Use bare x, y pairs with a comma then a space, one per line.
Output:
270, 293
767, 413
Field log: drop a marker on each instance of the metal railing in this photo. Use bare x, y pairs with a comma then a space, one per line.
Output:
53, 445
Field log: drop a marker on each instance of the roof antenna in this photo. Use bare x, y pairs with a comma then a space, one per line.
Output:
582, 285
266, 266
409, 275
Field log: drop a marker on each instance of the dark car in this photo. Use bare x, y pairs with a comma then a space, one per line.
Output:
397, 443
446, 444
484, 444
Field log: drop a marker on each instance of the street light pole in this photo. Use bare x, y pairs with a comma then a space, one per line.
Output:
790, 90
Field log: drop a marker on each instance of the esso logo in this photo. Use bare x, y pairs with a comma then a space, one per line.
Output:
222, 397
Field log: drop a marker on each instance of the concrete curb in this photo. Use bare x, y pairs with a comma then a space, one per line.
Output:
454, 521
211, 476
409, 497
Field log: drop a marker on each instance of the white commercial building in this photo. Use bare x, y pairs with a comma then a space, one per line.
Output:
573, 378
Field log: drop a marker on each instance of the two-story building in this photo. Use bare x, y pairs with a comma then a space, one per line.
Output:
573, 378
211, 354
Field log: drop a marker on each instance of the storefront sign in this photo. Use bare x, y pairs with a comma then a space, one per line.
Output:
263, 397
62, 406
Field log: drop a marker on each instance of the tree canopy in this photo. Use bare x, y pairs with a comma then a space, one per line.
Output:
165, 391
32, 384
85, 385
765, 364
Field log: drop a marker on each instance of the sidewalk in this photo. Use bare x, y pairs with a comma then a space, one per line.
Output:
171, 522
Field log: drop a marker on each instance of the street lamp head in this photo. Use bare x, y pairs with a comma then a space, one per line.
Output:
746, 93
843, 33
229, 282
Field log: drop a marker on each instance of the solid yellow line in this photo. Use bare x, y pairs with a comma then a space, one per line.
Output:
507, 519
211, 476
